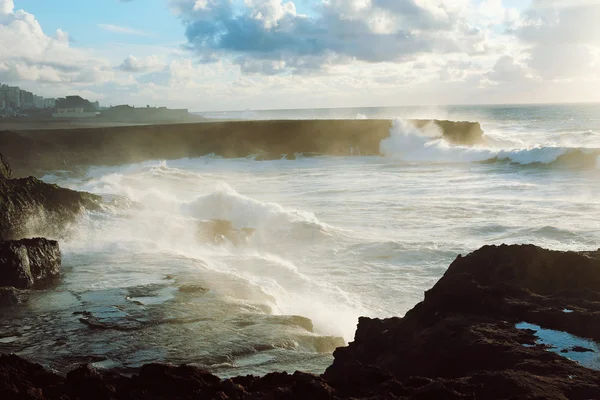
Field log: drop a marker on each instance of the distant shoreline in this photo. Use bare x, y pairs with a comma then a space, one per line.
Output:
34, 124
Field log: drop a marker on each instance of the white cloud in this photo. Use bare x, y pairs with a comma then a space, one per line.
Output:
144, 64
507, 70
266, 54
123, 30
6, 6
29, 54
563, 38
267, 31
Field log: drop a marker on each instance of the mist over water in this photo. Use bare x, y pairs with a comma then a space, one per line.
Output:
245, 266
408, 143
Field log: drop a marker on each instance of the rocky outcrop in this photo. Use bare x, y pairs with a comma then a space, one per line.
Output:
9, 296
29, 262
461, 342
5, 171
30, 152
29, 207
463, 334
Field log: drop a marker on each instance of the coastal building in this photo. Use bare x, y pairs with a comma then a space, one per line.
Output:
11, 95
73, 112
26, 99
125, 113
14, 98
43, 103
75, 102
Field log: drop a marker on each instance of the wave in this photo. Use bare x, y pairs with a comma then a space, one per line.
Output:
226, 204
410, 144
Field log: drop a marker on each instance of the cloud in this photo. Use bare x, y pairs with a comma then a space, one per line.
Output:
320, 53
28, 54
123, 30
563, 37
6, 6
145, 64
507, 70
272, 32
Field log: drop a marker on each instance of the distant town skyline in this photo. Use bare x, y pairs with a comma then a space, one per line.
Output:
16, 98
209, 55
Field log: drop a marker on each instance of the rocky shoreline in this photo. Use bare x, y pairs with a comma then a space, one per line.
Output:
461, 342
476, 335
30, 207
32, 152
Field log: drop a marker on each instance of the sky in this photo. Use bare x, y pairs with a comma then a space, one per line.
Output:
212, 55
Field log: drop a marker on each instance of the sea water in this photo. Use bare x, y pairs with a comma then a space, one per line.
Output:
244, 266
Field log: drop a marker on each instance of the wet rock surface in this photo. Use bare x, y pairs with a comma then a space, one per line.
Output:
29, 206
28, 262
5, 171
9, 296
463, 334
461, 342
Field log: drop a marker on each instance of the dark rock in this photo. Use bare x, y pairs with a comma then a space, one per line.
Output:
459, 343
86, 383
28, 262
29, 207
9, 296
5, 172
192, 289
20, 379
464, 332
579, 349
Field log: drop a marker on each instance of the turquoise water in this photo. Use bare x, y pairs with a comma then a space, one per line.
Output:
560, 341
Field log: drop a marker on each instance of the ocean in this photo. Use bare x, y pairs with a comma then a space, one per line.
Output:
244, 266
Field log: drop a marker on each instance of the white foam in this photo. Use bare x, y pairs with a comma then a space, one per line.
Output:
244, 212
408, 143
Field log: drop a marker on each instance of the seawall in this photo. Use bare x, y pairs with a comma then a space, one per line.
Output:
31, 151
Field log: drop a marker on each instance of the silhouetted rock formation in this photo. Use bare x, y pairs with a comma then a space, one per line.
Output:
464, 332
459, 343
31, 151
29, 207
28, 262
9, 296
5, 171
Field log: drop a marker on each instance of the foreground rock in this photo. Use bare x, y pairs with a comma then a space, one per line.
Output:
28, 262
463, 334
30, 207
459, 343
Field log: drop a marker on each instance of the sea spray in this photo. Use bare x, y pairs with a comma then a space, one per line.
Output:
426, 145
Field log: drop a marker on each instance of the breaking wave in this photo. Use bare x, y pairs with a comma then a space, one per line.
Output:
410, 144
225, 203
